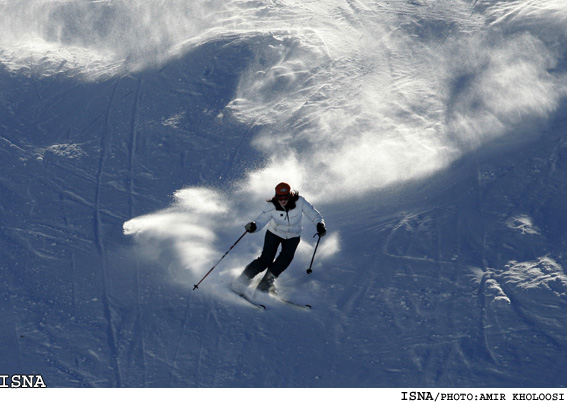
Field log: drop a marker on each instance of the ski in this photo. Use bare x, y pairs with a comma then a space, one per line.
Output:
253, 303
298, 305
261, 306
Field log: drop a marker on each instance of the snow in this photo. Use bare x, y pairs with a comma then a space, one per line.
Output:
138, 137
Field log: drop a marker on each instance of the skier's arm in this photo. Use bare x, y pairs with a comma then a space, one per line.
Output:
314, 215
264, 217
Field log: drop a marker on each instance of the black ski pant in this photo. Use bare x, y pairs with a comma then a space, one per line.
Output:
266, 259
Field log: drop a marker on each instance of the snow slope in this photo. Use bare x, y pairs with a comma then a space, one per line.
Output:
137, 138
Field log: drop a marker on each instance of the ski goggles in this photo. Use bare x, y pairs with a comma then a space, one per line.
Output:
283, 197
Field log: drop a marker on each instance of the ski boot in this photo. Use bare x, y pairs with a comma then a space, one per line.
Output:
267, 284
240, 284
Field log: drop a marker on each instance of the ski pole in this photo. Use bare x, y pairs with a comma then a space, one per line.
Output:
214, 266
309, 270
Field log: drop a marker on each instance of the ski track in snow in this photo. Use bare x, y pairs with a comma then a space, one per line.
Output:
429, 134
98, 228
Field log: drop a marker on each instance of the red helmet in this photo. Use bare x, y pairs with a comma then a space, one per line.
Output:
283, 190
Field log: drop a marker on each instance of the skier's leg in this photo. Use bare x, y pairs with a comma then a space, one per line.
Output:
286, 256
280, 264
271, 243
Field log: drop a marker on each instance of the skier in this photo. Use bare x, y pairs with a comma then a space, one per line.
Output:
284, 213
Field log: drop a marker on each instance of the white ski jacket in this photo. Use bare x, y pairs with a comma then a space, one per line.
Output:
286, 222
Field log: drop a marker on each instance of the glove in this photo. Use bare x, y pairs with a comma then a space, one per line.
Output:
250, 227
321, 230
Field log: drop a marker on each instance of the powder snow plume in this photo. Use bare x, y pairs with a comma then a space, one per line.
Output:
358, 97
